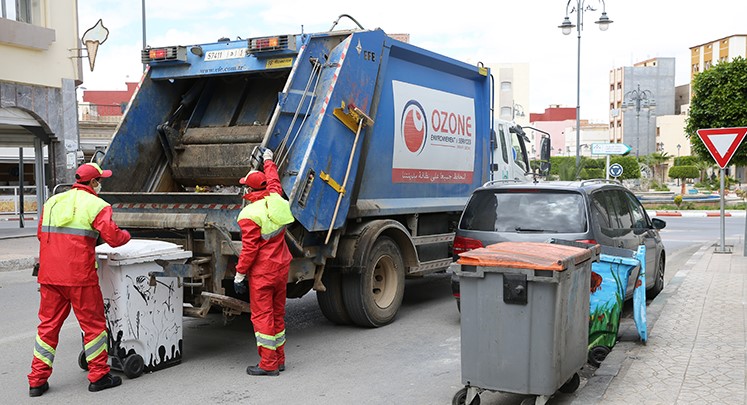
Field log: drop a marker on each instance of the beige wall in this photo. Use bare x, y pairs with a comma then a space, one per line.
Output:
518, 75
671, 131
40, 53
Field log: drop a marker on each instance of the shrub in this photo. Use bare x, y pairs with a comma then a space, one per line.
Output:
678, 200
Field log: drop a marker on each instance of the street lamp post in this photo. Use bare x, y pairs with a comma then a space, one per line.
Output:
639, 98
579, 7
144, 42
678, 156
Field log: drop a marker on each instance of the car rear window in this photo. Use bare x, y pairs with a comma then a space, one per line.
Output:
537, 211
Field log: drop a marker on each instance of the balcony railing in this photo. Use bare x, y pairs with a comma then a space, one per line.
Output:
100, 112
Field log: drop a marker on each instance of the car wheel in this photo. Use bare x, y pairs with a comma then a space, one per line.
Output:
659, 282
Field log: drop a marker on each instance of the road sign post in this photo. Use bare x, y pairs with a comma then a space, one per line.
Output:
609, 149
721, 144
615, 170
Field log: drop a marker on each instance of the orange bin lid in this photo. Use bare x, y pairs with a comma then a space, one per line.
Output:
528, 255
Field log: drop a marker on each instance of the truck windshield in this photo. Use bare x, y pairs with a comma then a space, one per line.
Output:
539, 212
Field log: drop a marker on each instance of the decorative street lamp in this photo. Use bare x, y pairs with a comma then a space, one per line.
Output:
639, 98
579, 7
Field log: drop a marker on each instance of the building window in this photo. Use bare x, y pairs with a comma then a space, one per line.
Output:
506, 113
19, 10
505, 86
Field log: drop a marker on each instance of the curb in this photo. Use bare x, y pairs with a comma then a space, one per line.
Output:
626, 349
24, 263
696, 214
16, 218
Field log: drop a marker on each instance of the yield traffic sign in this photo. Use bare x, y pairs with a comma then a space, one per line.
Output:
722, 142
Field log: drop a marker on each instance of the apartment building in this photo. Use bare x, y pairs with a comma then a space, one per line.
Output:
511, 92
703, 56
39, 72
637, 95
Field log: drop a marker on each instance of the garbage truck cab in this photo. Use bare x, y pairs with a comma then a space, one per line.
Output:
510, 157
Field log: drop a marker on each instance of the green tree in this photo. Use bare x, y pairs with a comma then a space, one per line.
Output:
719, 101
686, 161
703, 166
658, 161
682, 173
631, 170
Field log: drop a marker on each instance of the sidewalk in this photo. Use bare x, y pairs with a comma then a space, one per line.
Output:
696, 350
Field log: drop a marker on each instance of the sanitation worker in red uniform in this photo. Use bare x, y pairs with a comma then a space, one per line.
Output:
265, 259
70, 225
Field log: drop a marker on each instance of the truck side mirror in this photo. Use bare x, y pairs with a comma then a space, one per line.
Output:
545, 148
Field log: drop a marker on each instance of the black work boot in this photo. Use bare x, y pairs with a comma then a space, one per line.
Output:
107, 381
38, 391
256, 370
282, 367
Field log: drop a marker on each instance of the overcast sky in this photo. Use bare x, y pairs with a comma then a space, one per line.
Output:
521, 31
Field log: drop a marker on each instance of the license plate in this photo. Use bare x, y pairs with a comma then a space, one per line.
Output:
224, 54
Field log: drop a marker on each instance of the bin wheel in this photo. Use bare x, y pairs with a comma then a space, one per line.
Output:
597, 354
133, 366
82, 363
571, 385
460, 398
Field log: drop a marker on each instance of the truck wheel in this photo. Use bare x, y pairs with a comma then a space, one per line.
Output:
373, 296
331, 302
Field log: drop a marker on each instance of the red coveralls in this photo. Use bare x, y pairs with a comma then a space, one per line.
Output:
266, 263
68, 229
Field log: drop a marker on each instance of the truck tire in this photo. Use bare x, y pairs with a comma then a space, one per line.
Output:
331, 302
373, 295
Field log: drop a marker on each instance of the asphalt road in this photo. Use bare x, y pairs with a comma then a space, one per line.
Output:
415, 360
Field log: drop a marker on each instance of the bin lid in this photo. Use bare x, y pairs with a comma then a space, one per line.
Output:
527, 255
143, 250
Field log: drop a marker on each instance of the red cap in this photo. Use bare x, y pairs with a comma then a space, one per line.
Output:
90, 171
256, 180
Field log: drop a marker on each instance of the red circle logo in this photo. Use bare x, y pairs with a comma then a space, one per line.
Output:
414, 126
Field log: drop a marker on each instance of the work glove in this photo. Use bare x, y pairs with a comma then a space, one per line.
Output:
267, 154
240, 284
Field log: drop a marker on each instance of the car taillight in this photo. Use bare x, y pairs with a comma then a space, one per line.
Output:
462, 244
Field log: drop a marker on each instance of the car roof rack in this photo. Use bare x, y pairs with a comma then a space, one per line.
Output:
594, 181
493, 182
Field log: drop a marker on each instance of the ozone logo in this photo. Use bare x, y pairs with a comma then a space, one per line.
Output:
414, 126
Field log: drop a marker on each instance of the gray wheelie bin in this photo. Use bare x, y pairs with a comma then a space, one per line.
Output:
524, 318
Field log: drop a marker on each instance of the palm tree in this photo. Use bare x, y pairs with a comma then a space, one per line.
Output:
703, 166
660, 160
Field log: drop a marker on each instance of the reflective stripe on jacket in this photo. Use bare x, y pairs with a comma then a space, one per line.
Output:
70, 225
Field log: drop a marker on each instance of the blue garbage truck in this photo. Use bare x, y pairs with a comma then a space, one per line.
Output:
379, 144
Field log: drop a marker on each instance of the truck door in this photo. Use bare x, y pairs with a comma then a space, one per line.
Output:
518, 155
